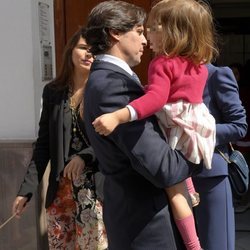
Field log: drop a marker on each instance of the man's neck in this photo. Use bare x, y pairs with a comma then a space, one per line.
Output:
115, 60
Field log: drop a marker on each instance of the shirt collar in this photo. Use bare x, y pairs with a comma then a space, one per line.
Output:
115, 60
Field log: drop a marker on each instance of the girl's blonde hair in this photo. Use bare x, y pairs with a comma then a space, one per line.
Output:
187, 29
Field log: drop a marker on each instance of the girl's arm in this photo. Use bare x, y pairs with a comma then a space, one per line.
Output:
157, 91
156, 96
105, 124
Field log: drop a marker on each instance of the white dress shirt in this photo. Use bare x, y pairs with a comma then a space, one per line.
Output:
122, 64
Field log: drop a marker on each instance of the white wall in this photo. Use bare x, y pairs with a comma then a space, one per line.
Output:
20, 68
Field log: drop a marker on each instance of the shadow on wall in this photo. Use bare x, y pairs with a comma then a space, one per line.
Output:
17, 234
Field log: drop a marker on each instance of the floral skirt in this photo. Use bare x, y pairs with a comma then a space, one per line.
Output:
75, 217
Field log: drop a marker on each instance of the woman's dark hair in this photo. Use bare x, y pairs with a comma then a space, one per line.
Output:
111, 15
64, 77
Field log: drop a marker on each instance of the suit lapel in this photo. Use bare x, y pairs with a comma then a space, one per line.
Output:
67, 122
110, 66
57, 131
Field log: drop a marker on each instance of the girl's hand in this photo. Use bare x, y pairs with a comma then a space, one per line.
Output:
19, 205
105, 124
74, 168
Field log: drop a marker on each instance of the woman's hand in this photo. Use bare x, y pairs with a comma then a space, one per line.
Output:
74, 168
19, 205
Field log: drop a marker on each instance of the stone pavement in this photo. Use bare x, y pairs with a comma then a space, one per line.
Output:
242, 221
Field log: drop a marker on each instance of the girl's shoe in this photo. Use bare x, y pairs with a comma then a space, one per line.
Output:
195, 199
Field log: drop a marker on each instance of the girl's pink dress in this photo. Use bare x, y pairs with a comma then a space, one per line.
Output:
175, 94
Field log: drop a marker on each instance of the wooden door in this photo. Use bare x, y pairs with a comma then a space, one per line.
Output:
69, 15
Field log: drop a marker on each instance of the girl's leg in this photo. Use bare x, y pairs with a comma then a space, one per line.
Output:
61, 218
183, 215
215, 214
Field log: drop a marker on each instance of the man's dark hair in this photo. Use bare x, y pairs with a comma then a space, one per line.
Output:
111, 15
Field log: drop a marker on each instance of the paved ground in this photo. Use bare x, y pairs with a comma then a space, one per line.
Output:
242, 235
242, 221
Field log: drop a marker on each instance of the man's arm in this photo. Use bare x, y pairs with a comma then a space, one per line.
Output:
141, 141
149, 153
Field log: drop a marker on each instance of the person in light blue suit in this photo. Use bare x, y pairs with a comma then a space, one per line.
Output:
215, 213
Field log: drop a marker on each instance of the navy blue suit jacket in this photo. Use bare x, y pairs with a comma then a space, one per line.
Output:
52, 144
215, 214
137, 163
221, 96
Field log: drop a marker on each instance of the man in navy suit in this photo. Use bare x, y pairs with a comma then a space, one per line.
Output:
135, 159
215, 213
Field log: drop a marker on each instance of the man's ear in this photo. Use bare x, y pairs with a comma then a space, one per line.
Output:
115, 34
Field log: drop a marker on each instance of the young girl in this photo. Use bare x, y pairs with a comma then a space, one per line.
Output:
181, 33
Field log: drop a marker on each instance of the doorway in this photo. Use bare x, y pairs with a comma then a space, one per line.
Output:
70, 15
